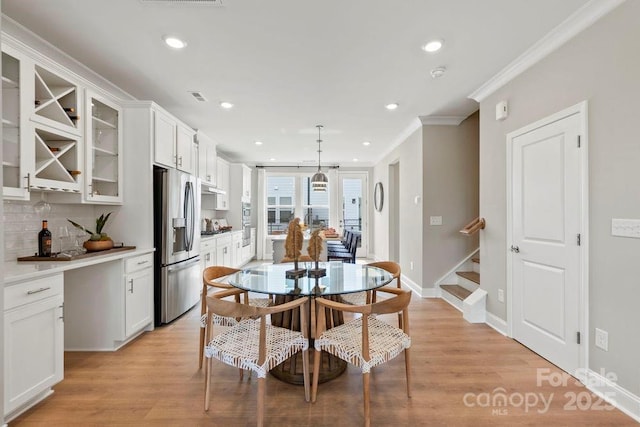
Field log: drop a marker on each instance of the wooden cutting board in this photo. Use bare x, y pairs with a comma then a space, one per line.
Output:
75, 257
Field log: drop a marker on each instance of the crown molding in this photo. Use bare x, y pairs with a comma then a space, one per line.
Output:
566, 30
442, 120
402, 136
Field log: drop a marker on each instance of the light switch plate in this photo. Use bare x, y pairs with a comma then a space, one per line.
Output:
625, 228
435, 220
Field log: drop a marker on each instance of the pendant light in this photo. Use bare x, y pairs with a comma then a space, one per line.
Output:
319, 180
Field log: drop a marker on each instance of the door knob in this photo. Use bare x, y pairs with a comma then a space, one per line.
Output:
515, 249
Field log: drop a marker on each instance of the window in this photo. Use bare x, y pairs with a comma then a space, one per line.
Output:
280, 203
289, 197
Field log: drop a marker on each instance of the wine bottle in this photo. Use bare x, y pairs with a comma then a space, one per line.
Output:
44, 240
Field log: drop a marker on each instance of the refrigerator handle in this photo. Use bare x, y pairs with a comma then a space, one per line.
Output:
189, 215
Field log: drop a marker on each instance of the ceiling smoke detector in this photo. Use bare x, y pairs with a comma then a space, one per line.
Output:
199, 96
438, 72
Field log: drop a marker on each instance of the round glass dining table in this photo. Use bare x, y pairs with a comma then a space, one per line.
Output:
340, 278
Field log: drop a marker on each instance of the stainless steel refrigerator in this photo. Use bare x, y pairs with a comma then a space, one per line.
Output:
176, 202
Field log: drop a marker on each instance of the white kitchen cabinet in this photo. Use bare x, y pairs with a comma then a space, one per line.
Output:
165, 134
236, 244
121, 303
207, 252
246, 184
138, 293
207, 160
222, 173
104, 162
174, 145
33, 341
186, 150
14, 116
224, 245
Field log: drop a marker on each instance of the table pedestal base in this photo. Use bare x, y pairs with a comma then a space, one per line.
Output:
290, 370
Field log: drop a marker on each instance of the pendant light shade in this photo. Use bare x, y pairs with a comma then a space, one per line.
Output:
319, 180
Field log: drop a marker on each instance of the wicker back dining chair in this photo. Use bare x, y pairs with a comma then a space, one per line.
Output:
361, 298
366, 341
254, 343
211, 279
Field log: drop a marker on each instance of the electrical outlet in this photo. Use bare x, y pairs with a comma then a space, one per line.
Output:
602, 339
501, 295
435, 220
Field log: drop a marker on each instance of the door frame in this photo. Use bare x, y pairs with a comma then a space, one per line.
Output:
364, 175
581, 110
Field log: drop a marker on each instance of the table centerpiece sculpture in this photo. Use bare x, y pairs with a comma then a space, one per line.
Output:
315, 249
293, 248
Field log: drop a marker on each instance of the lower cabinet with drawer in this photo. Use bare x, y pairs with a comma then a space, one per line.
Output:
108, 304
138, 293
33, 341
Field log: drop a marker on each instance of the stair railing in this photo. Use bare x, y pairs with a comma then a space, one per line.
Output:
473, 227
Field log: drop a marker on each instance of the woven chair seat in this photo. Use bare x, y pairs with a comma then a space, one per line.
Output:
345, 341
355, 298
239, 346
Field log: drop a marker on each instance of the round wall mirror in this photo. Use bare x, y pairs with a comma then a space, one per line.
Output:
378, 196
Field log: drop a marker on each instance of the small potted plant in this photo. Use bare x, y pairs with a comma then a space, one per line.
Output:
99, 241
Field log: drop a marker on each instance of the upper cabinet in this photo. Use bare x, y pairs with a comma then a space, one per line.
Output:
103, 178
14, 168
222, 198
207, 160
246, 184
56, 101
174, 144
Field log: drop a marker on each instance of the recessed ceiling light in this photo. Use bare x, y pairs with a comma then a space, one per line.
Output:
392, 106
226, 105
273, 159
174, 42
438, 72
258, 142
366, 143
433, 46
355, 160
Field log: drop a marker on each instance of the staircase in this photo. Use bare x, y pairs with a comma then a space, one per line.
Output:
466, 294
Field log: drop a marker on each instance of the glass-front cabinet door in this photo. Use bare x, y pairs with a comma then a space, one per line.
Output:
14, 171
103, 180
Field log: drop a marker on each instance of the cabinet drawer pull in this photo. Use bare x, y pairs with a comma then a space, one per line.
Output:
38, 290
143, 262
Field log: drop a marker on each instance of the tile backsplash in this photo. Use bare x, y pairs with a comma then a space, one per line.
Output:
21, 225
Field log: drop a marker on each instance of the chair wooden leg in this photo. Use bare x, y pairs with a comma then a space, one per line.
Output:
407, 367
367, 408
305, 373
261, 392
316, 374
202, 334
207, 383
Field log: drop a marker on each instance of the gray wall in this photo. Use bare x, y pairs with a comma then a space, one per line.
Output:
409, 155
601, 65
450, 186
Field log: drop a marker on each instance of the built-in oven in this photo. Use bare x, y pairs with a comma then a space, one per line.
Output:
246, 224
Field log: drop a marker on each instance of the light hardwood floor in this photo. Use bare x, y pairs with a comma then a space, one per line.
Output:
155, 381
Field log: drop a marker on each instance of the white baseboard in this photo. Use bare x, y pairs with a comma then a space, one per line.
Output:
422, 293
612, 393
497, 323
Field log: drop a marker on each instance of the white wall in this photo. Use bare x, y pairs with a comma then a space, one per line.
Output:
409, 155
450, 183
601, 65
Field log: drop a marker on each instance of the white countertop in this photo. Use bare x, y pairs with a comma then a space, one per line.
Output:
18, 271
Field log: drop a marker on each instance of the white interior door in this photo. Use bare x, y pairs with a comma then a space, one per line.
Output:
546, 232
352, 206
